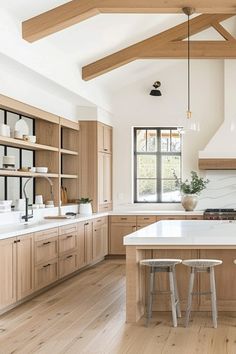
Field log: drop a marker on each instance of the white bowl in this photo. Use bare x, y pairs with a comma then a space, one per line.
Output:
42, 169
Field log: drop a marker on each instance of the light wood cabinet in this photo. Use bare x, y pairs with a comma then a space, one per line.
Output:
46, 274
117, 233
46, 249
143, 221
104, 138
81, 245
7, 272
25, 266
95, 161
100, 238
104, 180
68, 264
88, 238
68, 239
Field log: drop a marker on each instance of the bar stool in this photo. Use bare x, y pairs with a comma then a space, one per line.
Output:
199, 266
163, 266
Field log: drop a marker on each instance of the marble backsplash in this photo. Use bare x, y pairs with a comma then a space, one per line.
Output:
220, 192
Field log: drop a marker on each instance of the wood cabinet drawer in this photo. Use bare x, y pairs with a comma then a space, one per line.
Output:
46, 274
170, 217
68, 264
72, 228
194, 217
123, 219
141, 219
46, 249
98, 222
40, 235
67, 242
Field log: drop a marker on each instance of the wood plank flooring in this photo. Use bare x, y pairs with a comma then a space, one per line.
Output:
86, 314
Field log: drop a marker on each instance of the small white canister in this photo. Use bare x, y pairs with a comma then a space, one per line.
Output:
85, 209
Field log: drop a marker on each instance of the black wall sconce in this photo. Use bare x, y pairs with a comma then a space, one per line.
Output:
156, 92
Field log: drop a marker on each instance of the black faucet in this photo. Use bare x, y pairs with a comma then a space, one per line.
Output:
28, 216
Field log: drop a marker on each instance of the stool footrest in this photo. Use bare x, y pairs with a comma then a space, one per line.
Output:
202, 293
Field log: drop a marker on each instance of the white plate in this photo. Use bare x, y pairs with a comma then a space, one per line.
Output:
22, 127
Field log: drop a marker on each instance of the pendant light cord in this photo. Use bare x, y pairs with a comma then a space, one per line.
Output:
188, 63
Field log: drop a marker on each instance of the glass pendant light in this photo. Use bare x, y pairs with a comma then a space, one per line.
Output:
191, 123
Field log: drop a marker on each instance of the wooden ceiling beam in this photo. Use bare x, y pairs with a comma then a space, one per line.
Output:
136, 51
76, 11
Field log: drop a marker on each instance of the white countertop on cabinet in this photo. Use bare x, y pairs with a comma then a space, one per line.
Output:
185, 233
19, 229
156, 212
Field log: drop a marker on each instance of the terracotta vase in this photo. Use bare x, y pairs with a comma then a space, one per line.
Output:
189, 201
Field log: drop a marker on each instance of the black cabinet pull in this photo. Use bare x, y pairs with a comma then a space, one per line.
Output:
123, 218
69, 256
47, 265
69, 236
46, 243
105, 200
16, 241
105, 149
86, 224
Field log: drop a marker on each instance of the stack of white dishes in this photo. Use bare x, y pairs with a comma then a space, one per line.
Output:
5, 206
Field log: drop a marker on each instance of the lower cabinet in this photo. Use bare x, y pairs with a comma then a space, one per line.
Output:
120, 226
46, 274
7, 272
25, 266
31, 262
68, 264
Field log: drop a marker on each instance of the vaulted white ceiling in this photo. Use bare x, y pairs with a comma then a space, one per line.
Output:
104, 34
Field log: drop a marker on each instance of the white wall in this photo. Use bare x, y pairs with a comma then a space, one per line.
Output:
135, 107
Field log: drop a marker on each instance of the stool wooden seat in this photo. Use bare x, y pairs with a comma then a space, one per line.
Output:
197, 266
168, 266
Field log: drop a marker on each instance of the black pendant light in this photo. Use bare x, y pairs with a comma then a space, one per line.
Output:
156, 92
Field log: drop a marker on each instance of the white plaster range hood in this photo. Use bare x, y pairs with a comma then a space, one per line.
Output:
220, 152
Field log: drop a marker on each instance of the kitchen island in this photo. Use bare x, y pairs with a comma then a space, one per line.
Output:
184, 240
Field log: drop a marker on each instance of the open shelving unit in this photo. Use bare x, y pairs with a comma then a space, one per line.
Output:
56, 148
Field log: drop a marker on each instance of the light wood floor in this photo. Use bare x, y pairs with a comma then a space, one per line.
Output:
86, 314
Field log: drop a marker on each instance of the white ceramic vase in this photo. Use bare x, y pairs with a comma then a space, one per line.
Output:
189, 201
85, 209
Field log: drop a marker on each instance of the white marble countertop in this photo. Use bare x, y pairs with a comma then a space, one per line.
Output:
156, 212
185, 233
19, 229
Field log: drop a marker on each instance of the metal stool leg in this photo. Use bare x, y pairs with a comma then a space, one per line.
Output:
213, 297
172, 295
176, 294
190, 290
150, 295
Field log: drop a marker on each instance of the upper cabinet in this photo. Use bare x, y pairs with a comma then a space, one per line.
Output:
95, 164
104, 138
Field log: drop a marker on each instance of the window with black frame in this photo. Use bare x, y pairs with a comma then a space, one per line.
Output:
157, 154
11, 188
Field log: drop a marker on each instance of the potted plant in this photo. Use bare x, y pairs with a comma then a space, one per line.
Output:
190, 189
85, 207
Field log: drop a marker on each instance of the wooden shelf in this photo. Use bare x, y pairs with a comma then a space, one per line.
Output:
25, 144
27, 174
69, 152
69, 176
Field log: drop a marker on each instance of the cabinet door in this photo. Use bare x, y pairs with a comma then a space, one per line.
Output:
46, 274
46, 249
105, 236
104, 179
97, 242
81, 245
7, 272
117, 233
25, 266
67, 242
143, 221
100, 132
68, 264
88, 235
